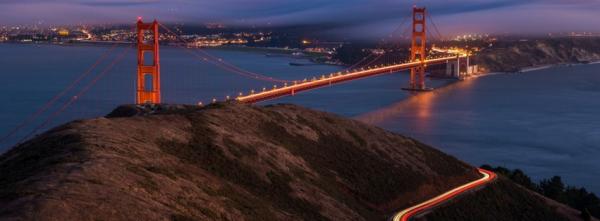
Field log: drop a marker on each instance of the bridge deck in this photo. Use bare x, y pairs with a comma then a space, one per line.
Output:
333, 79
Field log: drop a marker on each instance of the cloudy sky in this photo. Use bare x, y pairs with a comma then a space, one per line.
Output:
452, 16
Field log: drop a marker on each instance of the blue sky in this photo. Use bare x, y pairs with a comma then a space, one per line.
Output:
452, 16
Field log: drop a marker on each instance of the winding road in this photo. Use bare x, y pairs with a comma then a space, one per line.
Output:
406, 214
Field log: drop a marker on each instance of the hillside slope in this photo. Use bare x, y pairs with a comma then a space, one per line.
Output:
222, 162
502, 201
512, 56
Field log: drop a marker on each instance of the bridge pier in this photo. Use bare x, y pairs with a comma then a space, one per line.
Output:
460, 68
453, 69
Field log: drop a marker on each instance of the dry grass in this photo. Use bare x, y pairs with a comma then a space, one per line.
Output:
222, 162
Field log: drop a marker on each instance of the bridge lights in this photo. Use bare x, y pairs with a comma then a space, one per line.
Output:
227, 98
274, 86
252, 91
264, 88
200, 104
241, 94
214, 100
285, 84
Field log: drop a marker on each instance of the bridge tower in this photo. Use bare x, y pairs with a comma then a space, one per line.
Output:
418, 49
148, 73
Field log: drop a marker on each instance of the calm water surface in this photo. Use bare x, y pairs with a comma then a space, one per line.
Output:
544, 122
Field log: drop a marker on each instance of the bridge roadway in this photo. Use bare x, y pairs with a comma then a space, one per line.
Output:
335, 78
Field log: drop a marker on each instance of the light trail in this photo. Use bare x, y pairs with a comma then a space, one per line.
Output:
406, 214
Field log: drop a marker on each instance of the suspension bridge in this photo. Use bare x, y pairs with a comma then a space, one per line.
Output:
148, 84
419, 60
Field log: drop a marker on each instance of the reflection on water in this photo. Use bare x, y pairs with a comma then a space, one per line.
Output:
545, 122
419, 106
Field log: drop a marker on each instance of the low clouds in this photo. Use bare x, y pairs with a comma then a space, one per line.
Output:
533, 16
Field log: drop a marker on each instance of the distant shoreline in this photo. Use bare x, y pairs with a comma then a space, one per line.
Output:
314, 57
549, 66
533, 69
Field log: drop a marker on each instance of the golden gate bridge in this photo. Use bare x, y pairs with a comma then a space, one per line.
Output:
148, 88
150, 94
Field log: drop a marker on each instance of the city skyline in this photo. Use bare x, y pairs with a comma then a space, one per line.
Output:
349, 16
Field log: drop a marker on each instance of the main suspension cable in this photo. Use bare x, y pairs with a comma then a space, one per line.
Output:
53, 100
77, 96
222, 63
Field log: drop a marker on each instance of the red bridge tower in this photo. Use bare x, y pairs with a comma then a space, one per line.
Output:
418, 50
148, 74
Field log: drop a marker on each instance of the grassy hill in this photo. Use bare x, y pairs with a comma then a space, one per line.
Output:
221, 162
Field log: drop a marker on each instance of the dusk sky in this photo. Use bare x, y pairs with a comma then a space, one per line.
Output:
454, 16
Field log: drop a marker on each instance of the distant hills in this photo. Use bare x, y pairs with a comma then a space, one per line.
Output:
512, 56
